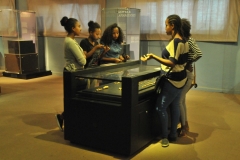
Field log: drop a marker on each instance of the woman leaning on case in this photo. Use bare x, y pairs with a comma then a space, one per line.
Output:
173, 56
113, 38
74, 56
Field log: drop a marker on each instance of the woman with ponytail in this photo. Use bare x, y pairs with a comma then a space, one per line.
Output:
75, 58
173, 60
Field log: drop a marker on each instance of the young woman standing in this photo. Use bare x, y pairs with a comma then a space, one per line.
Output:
174, 58
74, 56
194, 55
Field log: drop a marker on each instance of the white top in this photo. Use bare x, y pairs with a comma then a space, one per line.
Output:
73, 55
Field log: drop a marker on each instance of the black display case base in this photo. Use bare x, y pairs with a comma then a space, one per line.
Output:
29, 75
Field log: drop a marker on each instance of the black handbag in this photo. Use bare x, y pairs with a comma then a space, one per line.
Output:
160, 81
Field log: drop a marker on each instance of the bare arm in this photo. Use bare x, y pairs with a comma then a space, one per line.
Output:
163, 61
90, 53
106, 49
114, 60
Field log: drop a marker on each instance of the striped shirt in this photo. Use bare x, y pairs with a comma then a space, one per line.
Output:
177, 52
194, 51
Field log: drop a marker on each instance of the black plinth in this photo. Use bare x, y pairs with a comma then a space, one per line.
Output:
115, 120
29, 75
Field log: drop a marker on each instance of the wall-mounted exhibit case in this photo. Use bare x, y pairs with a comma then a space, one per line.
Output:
111, 108
20, 44
128, 19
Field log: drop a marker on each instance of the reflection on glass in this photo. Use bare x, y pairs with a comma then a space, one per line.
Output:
117, 74
146, 83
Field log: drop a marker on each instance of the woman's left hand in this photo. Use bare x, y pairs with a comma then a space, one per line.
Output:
106, 49
145, 57
189, 67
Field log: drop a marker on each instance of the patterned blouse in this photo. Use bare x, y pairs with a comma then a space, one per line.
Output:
194, 51
115, 50
177, 52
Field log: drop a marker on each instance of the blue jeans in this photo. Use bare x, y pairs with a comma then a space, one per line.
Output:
169, 97
183, 107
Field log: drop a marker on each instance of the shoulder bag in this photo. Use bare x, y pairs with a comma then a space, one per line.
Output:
160, 81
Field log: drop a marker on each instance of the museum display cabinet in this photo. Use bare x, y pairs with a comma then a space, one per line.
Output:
110, 107
128, 19
20, 44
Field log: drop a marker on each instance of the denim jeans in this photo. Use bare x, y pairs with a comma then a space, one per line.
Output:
183, 107
169, 97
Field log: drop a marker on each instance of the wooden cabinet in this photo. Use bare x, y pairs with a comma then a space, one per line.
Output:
21, 63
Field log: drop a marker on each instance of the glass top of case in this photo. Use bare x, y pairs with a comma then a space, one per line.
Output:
118, 73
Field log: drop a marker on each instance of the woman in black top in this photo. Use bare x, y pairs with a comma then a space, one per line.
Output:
92, 49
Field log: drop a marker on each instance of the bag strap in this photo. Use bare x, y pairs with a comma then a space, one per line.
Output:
168, 71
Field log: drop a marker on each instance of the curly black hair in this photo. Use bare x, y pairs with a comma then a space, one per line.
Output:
186, 26
107, 37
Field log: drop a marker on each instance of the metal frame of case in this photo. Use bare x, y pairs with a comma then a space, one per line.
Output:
120, 123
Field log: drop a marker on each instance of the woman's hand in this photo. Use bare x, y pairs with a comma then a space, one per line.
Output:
121, 57
147, 56
189, 67
106, 49
117, 60
99, 46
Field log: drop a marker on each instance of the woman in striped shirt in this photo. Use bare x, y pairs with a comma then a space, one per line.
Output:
193, 55
174, 59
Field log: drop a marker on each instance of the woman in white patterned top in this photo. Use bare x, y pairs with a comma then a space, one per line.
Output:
73, 53
193, 55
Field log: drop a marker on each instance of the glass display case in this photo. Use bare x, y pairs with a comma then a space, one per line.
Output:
108, 83
129, 21
20, 43
111, 105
